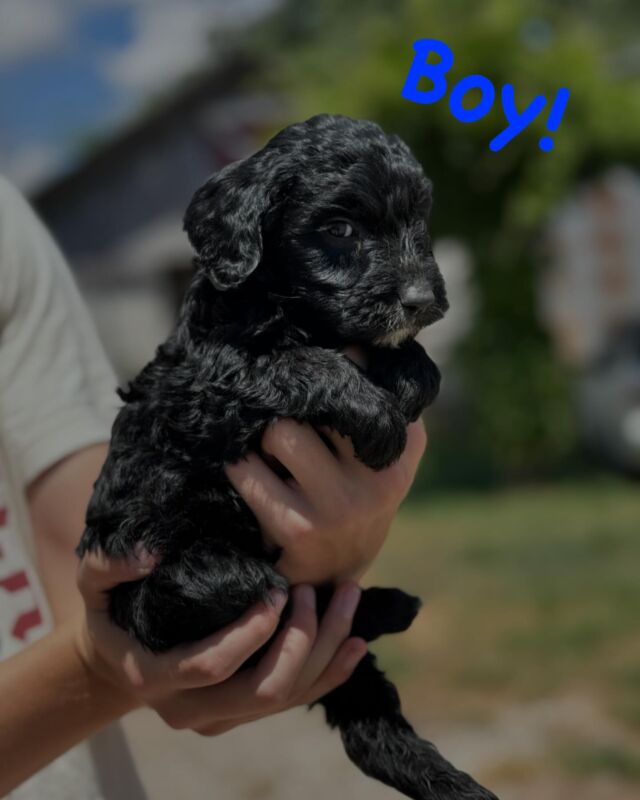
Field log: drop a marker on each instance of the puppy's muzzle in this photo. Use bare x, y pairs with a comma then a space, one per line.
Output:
417, 297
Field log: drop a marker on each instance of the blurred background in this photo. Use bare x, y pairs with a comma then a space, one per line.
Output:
522, 533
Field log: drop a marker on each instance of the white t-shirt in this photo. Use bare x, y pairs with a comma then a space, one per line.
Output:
57, 395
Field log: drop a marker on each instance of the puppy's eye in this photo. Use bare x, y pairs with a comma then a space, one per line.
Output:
340, 228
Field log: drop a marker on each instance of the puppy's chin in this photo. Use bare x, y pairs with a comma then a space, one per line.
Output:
395, 338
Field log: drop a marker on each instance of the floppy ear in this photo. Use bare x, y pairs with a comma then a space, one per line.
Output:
223, 220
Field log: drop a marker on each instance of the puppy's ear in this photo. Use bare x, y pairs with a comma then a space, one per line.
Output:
223, 220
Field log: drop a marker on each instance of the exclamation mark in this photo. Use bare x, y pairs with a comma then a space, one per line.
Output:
555, 118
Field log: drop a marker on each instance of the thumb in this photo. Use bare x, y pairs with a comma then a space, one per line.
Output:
97, 573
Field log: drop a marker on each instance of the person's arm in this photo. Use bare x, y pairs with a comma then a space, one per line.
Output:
88, 672
50, 702
57, 501
57, 394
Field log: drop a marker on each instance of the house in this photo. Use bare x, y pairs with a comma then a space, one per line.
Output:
118, 215
590, 304
591, 290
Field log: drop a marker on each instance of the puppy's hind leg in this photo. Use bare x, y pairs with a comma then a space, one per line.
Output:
380, 741
191, 595
380, 611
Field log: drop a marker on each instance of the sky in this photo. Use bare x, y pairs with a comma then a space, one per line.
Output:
71, 70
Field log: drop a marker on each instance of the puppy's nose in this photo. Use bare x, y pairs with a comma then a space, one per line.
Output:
416, 297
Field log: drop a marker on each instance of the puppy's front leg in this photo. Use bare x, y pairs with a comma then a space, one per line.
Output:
344, 398
408, 373
372, 419
323, 387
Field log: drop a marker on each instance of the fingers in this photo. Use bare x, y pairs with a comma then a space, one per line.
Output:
216, 658
299, 448
339, 670
274, 504
334, 630
258, 691
97, 573
299, 667
399, 476
275, 676
416, 444
288, 670
267, 686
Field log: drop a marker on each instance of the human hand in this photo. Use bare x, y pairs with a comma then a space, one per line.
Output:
333, 515
195, 685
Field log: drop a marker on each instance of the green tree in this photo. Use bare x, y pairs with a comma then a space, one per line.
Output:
327, 55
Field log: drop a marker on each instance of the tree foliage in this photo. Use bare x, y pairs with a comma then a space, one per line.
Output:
353, 58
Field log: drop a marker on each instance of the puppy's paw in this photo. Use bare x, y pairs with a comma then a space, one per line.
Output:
382, 611
113, 546
408, 374
418, 393
379, 438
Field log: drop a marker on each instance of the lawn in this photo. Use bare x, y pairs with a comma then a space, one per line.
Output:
529, 593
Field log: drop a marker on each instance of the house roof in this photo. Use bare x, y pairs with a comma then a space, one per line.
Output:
186, 98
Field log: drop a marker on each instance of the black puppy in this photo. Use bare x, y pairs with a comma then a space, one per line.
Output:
317, 241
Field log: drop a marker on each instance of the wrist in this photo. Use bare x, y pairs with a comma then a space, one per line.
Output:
41, 718
100, 681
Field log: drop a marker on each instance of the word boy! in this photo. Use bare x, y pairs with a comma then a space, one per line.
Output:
516, 121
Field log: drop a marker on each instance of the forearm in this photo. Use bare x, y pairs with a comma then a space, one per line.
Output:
57, 502
50, 702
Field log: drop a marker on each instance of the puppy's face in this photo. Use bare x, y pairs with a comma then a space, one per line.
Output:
354, 242
332, 216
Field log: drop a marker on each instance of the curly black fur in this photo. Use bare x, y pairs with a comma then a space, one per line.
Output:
318, 240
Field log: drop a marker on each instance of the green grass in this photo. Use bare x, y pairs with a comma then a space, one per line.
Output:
527, 592
616, 761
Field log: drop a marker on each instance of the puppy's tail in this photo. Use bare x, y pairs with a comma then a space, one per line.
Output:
380, 741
